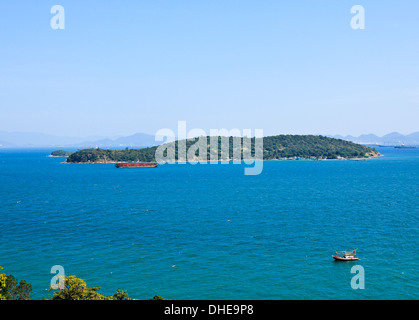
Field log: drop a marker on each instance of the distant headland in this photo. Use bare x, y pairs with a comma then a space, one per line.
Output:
281, 147
61, 153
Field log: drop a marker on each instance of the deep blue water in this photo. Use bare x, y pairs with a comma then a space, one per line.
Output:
209, 231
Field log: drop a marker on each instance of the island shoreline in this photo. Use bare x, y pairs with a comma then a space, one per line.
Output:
229, 160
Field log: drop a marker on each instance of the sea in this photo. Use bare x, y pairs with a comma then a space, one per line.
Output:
209, 231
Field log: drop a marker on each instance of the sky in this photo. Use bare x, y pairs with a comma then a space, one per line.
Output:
287, 67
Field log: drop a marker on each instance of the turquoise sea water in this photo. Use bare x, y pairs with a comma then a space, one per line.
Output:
209, 231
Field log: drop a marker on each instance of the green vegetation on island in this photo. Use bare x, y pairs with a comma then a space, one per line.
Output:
61, 153
282, 147
314, 147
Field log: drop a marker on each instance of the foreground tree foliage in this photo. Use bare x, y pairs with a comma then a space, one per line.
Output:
3, 278
157, 297
275, 147
77, 289
74, 289
10, 289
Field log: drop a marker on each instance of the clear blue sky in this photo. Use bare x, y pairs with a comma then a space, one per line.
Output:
121, 67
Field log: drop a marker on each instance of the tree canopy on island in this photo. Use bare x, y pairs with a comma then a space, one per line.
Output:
274, 147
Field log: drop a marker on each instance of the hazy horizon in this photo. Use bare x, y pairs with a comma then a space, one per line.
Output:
104, 136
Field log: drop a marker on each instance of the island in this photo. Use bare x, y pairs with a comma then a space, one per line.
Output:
281, 147
60, 153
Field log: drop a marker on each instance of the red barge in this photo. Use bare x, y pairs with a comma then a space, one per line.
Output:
137, 165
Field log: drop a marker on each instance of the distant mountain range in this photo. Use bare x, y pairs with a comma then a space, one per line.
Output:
139, 140
391, 139
40, 140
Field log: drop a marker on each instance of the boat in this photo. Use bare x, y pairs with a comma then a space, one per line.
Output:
345, 255
137, 165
